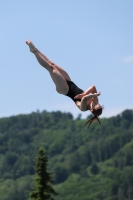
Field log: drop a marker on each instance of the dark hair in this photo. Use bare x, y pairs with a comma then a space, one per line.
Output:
96, 113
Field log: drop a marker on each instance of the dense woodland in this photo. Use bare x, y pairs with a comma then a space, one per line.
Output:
94, 163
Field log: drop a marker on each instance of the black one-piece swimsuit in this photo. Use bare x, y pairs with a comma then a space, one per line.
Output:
73, 90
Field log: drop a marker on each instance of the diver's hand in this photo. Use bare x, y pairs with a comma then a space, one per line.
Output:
98, 93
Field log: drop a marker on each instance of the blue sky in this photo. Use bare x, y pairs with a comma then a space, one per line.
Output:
91, 40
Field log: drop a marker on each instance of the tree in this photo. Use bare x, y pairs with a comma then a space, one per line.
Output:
120, 194
43, 189
94, 168
130, 192
61, 174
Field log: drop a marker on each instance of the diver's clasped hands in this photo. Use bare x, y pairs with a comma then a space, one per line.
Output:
97, 94
80, 96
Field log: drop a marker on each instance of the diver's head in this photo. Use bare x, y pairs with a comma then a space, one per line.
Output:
96, 109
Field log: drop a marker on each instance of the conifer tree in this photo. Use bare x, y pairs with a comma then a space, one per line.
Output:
43, 189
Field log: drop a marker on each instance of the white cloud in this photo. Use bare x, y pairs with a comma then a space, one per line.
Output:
128, 59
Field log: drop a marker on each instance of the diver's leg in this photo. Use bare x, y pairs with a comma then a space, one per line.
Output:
58, 79
61, 70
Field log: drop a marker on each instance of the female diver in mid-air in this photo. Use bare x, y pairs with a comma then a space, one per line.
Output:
84, 100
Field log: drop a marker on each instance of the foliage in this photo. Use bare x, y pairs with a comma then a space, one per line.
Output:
43, 189
92, 164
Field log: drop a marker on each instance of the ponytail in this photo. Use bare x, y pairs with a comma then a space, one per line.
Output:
91, 120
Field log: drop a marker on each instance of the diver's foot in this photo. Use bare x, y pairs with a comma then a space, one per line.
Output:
31, 46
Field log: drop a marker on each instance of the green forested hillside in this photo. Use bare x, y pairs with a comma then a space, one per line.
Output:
87, 164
